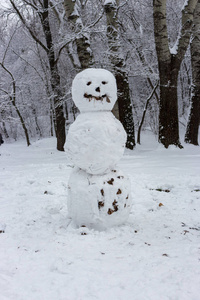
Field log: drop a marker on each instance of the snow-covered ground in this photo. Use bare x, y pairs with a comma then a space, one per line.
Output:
154, 256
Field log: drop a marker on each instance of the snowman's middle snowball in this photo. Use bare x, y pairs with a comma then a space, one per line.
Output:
95, 142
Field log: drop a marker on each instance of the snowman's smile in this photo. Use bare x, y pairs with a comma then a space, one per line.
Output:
101, 98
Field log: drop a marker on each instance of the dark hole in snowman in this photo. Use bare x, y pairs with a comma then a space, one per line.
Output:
102, 192
115, 206
119, 192
110, 181
104, 82
110, 211
100, 204
89, 82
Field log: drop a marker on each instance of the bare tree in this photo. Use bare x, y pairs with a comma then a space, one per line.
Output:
169, 62
12, 97
41, 8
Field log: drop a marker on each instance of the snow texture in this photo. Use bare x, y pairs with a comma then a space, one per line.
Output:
94, 90
109, 2
97, 201
154, 256
174, 49
95, 142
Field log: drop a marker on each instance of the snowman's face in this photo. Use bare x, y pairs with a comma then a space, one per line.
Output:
94, 90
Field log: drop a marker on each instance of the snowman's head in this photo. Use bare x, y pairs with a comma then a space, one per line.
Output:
94, 90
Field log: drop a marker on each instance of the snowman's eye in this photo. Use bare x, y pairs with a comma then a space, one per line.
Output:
104, 82
89, 82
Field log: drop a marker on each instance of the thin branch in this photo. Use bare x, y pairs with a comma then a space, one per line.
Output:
97, 20
27, 27
31, 4
4, 56
55, 11
120, 6
28, 64
5, 92
1, 64
145, 110
60, 50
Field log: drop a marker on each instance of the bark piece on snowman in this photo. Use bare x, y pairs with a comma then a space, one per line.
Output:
95, 142
99, 201
94, 89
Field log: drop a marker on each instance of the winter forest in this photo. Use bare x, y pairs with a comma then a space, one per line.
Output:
151, 47
133, 172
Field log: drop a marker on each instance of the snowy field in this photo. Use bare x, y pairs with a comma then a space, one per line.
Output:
154, 256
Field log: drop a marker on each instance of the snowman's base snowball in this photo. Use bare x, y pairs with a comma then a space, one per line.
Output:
99, 201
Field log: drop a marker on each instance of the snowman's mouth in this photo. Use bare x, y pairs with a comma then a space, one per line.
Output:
98, 98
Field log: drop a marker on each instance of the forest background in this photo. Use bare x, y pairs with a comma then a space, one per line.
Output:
152, 47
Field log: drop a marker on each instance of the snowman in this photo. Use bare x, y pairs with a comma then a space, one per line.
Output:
98, 193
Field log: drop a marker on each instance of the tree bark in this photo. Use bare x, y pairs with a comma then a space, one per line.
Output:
55, 77
169, 62
82, 40
192, 130
124, 110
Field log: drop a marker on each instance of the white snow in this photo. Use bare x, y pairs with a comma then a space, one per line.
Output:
174, 49
109, 2
95, 142
154, 256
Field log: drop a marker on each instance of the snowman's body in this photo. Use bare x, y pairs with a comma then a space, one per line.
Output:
99, 194
95, 142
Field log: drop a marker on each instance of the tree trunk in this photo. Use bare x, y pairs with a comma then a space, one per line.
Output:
125, 107
192, 130
168, 116
169, 62
84, 51
55, 78
22, 123
5, 130
118, 64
